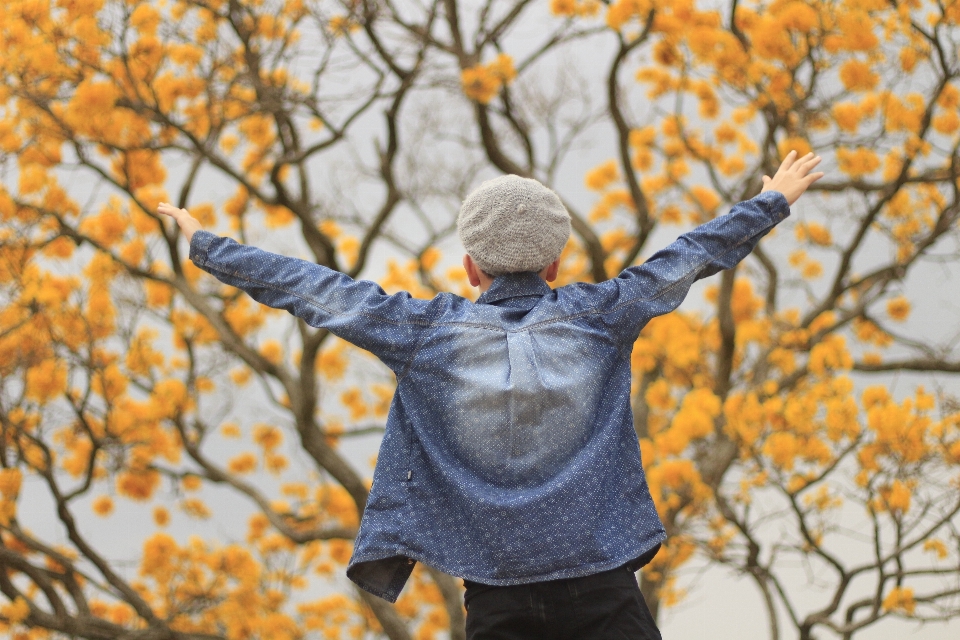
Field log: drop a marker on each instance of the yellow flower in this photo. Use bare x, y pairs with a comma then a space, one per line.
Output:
857, 162
103, 506
946, 122
158, 294
875, 396
812, 270
706, 198
479, 84
230, 430
731, 165
137, 485
353, 399
32, 179
857, 76
782, 448
145, 19
161, 516
800, 145
819, 234
797, 16
898, 308
384, 398
267, 436
900, 599
275, 463
240, 376
195, 508
600, 177
563, 7
15, 612
243, 463
857, 31
847, 116
10, 481
272, 351
46, 381
502, 67
937, 547
332, 363
644, 137
349, 248
658, 395
342, 25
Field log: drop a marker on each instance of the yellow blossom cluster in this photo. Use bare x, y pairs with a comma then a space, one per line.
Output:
857, 162
409, 277
602, 176
482, 82
901, 433
579, 8
342, 25
900, 599
814, 233
207, 589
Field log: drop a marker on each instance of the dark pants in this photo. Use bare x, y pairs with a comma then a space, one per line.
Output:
604, 606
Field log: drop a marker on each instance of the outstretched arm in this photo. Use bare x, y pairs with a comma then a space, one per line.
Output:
359, 311
660, 284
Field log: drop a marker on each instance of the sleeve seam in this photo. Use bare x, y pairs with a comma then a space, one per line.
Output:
312, 302
416, 349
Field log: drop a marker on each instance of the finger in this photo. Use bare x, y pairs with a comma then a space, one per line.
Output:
810, 179
765, 179
788, 161
809, 163
800, 163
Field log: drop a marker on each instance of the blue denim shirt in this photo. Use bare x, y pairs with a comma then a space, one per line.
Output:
510, 454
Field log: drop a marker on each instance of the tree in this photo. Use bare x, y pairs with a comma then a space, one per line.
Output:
125, 374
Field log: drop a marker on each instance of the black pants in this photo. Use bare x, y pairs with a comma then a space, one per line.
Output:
604, 606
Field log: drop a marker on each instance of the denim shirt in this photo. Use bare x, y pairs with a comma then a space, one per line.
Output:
510, 454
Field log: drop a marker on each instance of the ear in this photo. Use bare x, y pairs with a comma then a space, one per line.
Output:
551, 271
473, 272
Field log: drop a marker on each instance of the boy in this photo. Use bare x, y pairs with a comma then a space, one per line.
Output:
509, 457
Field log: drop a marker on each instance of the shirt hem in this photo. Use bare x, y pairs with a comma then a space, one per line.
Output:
574, 572
392, 591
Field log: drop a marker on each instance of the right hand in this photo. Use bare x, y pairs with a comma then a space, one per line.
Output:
793, 177
188, 224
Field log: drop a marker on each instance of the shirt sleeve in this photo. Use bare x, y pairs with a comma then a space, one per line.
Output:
359, 311
660, 284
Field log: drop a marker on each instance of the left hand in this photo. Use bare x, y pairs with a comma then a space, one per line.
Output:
188, 224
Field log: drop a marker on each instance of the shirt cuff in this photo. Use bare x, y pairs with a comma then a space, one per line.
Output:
775, 205
199, 245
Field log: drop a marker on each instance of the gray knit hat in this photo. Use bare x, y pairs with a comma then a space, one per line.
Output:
512, 224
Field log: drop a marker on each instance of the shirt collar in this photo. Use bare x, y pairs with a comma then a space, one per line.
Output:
514, 285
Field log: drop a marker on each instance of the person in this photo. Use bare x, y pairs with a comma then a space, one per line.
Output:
509, 457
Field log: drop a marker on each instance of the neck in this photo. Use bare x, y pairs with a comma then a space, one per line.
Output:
482, 281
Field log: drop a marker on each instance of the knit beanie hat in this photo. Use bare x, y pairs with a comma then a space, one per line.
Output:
511, 224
